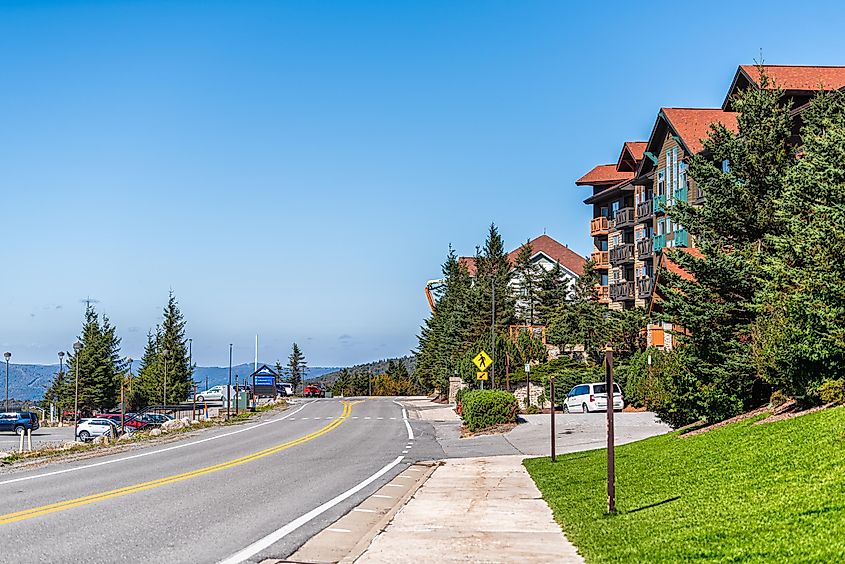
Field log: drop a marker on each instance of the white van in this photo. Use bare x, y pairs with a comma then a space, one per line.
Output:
585, 398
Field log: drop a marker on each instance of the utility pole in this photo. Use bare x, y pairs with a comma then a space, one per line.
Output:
8, 355
552, 394
77, 346
493, 337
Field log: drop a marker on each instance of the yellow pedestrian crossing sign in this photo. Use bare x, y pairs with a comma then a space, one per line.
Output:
482, 375
482, 360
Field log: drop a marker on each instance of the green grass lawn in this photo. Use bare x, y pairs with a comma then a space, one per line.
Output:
743, 493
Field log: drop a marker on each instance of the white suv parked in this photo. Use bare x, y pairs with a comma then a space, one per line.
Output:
87, 429
585, 398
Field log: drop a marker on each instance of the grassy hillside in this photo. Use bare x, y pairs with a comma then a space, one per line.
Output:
377, 367
754, 493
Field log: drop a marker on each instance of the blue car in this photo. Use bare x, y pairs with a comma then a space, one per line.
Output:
18, 422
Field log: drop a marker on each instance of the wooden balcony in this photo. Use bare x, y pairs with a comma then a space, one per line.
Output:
598, 226
645, 211
623, 218
645, 286
622, 254
621, 291
644, 248
600, 259
603, 293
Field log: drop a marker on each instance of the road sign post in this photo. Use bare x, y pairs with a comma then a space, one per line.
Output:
611, 455
482, 361
528, 384
552, 395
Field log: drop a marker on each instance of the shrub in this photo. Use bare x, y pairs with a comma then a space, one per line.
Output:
482, 409
832, 391
778, 398
532, 410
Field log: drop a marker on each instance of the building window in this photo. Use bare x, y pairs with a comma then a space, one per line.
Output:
601, 244
661, 227
603, 279
617, 240
726, 166
682, 175
661, 182
614, 208
603, 211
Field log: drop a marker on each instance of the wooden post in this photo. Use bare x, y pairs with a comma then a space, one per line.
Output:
611, 458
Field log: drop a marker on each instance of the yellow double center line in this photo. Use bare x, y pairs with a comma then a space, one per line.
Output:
71, 503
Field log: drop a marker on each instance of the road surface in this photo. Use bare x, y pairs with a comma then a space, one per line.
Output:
238, 493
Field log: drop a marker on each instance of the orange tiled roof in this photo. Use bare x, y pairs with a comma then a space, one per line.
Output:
799, 77
693, 124
568, 258
603, 174
637, 148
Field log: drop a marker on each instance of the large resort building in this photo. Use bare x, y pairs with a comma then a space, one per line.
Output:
629, 227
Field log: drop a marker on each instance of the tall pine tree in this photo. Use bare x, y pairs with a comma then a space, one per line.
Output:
296, 367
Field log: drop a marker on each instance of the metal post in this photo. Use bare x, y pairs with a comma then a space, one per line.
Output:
8, 355
194, 401
77, 347
528, 384
237, 399
165, 379
611, 459
552, 394
229, 387
122, 406
493, 336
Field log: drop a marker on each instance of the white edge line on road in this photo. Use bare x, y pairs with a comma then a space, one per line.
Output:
405, 419
279, 534
149, 452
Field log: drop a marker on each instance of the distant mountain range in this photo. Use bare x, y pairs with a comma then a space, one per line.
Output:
376, 367
28, 381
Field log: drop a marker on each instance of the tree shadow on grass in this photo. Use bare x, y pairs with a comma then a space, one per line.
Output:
651, 505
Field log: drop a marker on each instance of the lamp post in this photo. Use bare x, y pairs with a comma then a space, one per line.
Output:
77, 347
229, 387
8, 355
129, 360
61, 379
164, 353
191, 356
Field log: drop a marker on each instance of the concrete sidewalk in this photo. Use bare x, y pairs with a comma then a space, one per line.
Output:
474, 510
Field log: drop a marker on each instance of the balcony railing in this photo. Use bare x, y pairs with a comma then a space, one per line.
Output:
598, 226
682, 194
623, 217
645, 286
644, 210
644, 248
658, 204
600, 259
622, 291
603, 293
658, 242
622, 253
682, 238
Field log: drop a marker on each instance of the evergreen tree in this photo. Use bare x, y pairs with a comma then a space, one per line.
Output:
99, 364
528, 275
732, 230
296, 367
799, 330
150, 380
493, 270
553, 292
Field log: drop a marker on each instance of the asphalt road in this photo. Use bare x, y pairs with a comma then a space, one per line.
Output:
210, 496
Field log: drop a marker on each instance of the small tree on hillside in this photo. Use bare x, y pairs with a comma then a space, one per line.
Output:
529, 276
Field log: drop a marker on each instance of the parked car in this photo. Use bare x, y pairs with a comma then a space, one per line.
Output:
88, 429
284, 389
153, 418
314, 391
585, 398
130, 420
215, 393
19, 422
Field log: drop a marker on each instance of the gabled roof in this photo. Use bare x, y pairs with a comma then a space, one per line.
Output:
631, 155
603, 174
568, 259
792, 79
690, 125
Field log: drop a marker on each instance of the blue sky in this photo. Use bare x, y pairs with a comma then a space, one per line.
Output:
298, 169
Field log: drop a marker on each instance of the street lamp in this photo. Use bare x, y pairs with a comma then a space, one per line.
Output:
164, 353
190, 356
77, 347
8, 355
62, 380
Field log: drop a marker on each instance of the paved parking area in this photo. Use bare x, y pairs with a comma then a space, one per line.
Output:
40, 437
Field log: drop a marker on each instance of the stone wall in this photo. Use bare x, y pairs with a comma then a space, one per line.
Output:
455, 384
536, 391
